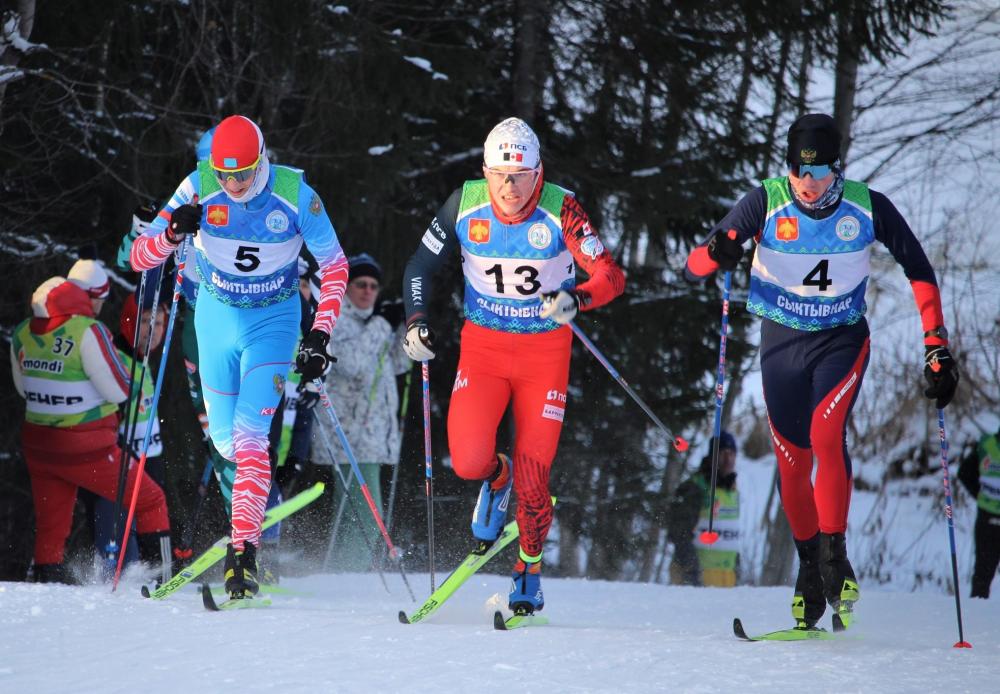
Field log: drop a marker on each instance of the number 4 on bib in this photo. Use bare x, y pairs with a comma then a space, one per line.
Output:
817, 277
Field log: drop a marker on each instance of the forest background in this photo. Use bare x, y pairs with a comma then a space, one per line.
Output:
659, 115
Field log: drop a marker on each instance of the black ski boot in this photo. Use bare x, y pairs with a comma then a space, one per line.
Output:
808, 603
54, 573
839, 583
241, 571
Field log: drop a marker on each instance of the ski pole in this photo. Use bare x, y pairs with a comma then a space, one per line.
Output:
185, 550
393, 552
111, 551
338, 518
157, 389
962, 643
428, 467
132, 405
710, 536
345, 484
395, 468
679, 442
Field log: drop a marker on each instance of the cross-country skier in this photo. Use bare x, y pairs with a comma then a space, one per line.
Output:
225, 470
813, 231
72, 378
249, 220
520, 240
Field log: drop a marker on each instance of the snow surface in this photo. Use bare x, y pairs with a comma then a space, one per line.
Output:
342, 635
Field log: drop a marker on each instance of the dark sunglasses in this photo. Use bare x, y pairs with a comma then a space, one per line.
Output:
238, 175
817, 171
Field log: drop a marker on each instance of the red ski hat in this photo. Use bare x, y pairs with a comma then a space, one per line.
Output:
126, 322
237, 145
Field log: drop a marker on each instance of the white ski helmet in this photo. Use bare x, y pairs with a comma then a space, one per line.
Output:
512, 143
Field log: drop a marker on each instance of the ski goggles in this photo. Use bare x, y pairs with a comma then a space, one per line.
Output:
239, 175
817, 171
516, 177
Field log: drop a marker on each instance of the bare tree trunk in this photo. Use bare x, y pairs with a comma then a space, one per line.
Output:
802, 80
570, 519
527, 37
846, 80
779, 104
743, 91
780, 550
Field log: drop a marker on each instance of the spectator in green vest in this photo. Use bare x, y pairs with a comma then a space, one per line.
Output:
65, 366
695, 563
980, 473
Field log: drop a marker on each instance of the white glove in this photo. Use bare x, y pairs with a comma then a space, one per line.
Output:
560, 306
417, 342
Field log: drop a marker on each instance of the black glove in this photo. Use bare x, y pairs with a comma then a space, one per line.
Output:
308, 396
313, 361
183, 221
393, 311
941, 374
724, 249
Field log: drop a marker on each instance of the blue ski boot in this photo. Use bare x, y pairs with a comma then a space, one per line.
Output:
491, 507
526, 590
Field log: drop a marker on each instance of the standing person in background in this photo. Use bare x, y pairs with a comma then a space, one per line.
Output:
139, 406
367, 402
980, 473
65, 366
813, 231
695, 563
249, 220
520, 240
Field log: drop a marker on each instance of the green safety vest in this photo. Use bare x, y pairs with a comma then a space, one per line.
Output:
57, 390
142, 423
722, 554
989, 475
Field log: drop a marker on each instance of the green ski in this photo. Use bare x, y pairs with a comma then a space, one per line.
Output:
517, 621
238, 604
813, 634
473, 562
217, 552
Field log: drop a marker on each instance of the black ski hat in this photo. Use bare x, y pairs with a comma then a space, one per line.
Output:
813, 139
363, 265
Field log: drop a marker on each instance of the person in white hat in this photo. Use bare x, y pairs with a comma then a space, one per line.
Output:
521, 240
90, 276
65, 365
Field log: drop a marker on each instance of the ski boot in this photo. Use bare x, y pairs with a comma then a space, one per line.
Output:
526, 589
808, 603
241, 571
54, 573
839, 582
491, 507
